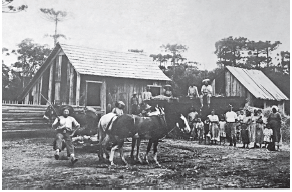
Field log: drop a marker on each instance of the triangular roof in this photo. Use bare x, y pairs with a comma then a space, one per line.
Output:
257, 83
92, 61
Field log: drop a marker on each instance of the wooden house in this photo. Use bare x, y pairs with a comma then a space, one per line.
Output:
81, 76
251, 84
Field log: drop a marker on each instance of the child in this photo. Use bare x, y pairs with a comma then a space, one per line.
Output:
222, 133
268, 132
206, 129
200, 129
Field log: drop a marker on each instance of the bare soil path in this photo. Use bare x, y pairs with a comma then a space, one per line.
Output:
29, 164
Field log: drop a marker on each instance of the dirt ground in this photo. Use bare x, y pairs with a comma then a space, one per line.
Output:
30, 164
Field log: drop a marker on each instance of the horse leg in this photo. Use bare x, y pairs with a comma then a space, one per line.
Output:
147, 151
155, 152
100, 138
137, 154
102, 148
133, 147
111, 158
120, 145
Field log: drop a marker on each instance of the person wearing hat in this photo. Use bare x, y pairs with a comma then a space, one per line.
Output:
145, 112
63, 125
135, 104
193, 91
274, 121
231, 122
206, 90
119, 108
167, 92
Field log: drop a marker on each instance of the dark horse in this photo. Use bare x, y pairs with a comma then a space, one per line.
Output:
88, 118
154, 128
115, 129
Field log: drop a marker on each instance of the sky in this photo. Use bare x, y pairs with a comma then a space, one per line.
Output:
120, 25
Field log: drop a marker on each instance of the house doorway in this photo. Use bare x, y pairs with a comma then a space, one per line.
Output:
93, 93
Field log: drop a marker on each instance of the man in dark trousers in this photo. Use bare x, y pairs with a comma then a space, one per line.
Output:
63, 125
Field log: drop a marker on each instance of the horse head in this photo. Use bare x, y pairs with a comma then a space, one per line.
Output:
183, 124
50, 113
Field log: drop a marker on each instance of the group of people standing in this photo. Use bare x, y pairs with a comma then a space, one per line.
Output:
247, 127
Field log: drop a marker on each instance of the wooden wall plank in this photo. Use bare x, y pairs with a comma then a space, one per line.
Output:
78, 89
50, 83
103, 96
58, 79
71, 84
227, 83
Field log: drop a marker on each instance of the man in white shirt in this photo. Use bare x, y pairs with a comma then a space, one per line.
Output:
206, 90
63, 125
146, 95
231, 121
193, 91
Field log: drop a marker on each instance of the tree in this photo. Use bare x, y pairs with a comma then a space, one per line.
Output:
228, 50
285, 60
30, 57
175, 50
7, 7
161, 58
54, 16
269, 47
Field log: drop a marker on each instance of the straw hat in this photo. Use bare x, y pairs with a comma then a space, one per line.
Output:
121, 102
147, 107
206, 80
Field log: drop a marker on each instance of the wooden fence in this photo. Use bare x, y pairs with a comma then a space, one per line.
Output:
20, 116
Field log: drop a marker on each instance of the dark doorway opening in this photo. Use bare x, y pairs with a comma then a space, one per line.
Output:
93, 94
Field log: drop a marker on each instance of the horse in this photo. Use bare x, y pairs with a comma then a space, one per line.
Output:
114, 128
154, 128
88, 118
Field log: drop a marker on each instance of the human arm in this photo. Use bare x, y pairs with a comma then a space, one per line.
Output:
56, 123
196, 92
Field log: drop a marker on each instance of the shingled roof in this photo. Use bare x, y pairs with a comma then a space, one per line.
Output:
91, 61
257, 83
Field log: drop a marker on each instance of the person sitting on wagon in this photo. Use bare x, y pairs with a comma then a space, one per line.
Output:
193, 91
63, 125
206, 91
119, 108
146, 95
168, 92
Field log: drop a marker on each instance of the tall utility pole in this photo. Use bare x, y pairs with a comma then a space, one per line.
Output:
54, 16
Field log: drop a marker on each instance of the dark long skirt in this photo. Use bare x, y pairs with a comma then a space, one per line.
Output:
259, 136
245, 134
276, 131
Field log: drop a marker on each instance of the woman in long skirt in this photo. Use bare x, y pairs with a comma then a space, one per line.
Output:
259, 136
245, 128
214, 126
274, 121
